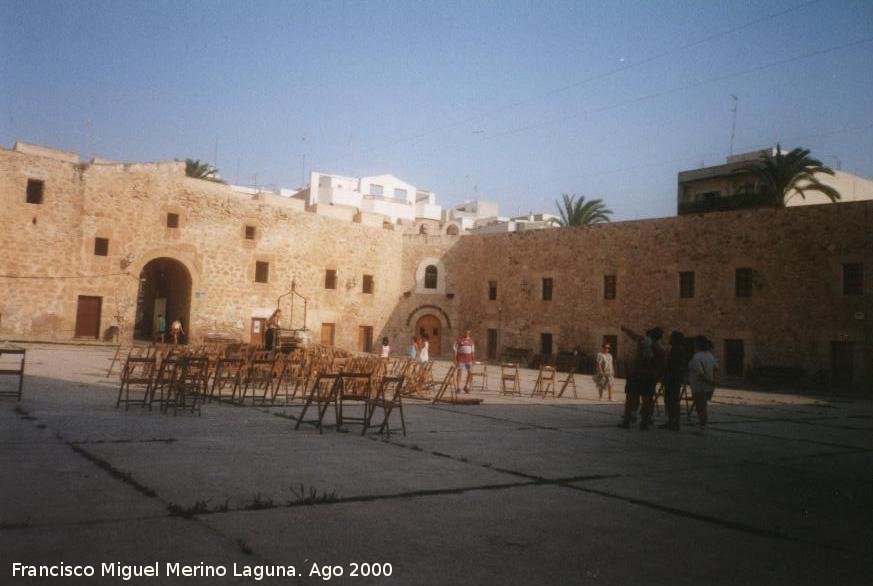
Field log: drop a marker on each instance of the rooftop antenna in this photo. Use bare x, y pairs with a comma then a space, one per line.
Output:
734, 122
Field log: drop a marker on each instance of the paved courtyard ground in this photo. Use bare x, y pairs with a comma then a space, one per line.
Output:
513, 491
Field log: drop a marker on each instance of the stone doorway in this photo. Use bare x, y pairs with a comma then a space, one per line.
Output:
430, 325
164, 288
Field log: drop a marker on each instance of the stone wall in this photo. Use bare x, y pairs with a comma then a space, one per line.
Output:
796, 312
128, 204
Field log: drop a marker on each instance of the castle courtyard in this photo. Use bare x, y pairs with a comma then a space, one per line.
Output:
512, 491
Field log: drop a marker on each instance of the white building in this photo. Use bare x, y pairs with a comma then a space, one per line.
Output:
517, 224
384, 195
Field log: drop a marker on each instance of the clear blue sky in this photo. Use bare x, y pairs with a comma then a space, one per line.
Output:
507, 101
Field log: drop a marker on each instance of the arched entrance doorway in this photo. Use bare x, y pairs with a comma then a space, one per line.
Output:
430, 325
164, 289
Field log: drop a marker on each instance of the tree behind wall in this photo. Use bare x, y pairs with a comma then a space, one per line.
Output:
785, 174
579, 212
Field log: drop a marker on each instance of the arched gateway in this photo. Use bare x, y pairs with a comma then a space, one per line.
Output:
430, 325
164, 289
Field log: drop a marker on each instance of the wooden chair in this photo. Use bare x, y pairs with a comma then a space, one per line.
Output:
164, 381
322, 393
509, 380
388, 397
479, 370
258, 378
570, 381
15, 370
447, 383
228, 371
685, 395
545, 382
353, 387
139, 373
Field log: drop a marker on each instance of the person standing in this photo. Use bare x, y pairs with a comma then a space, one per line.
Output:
412, 351
702, 371
386, 348
424, 348
643, 377
605, 371
675, 372
162, 328
464, 354
273, 325
176, 331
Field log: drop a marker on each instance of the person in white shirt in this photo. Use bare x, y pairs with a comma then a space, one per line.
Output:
386, 348
702, 371
423, 348
605, 371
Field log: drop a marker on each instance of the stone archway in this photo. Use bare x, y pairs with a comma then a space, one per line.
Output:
164, 288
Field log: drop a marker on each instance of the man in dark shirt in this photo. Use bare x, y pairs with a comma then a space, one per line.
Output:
643, 376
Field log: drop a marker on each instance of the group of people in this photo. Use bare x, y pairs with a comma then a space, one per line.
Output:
464, 352
177, 333
688, 360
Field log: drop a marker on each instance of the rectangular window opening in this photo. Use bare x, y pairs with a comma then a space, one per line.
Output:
686, 284
853, 278
101, 246
492, 290
610, 286
545, 344
330, 279
548, 286
743, 282
172, 220
34, 191
367, 285
262, 272
250, 232
734, 357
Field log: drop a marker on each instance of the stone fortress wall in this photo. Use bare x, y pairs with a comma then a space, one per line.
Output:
795, 315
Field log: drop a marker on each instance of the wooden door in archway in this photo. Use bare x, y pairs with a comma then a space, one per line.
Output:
430, 325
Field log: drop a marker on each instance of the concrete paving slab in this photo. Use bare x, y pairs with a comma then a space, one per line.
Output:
531, 535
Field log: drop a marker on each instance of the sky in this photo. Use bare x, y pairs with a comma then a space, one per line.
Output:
513, 102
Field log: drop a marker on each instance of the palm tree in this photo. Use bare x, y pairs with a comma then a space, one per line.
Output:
199, 170
581, 212
785, 174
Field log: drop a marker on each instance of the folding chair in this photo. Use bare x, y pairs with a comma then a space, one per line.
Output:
545, 382
685, 394
164, 381
287, 375
323, 393
569, 381
353, 386
479, 370
258, 377
16, 370
228, 371
447, 383
388, 397
189, 385
509, 383
138, 372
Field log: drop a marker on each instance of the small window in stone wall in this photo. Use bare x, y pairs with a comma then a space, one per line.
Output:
367, 286
853, 278
250, 232
548, 286
101, 246
686, 284
172, 220
330, 279
610, 286
34, 191
743, 282
430, 277
492, 290
262, 272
